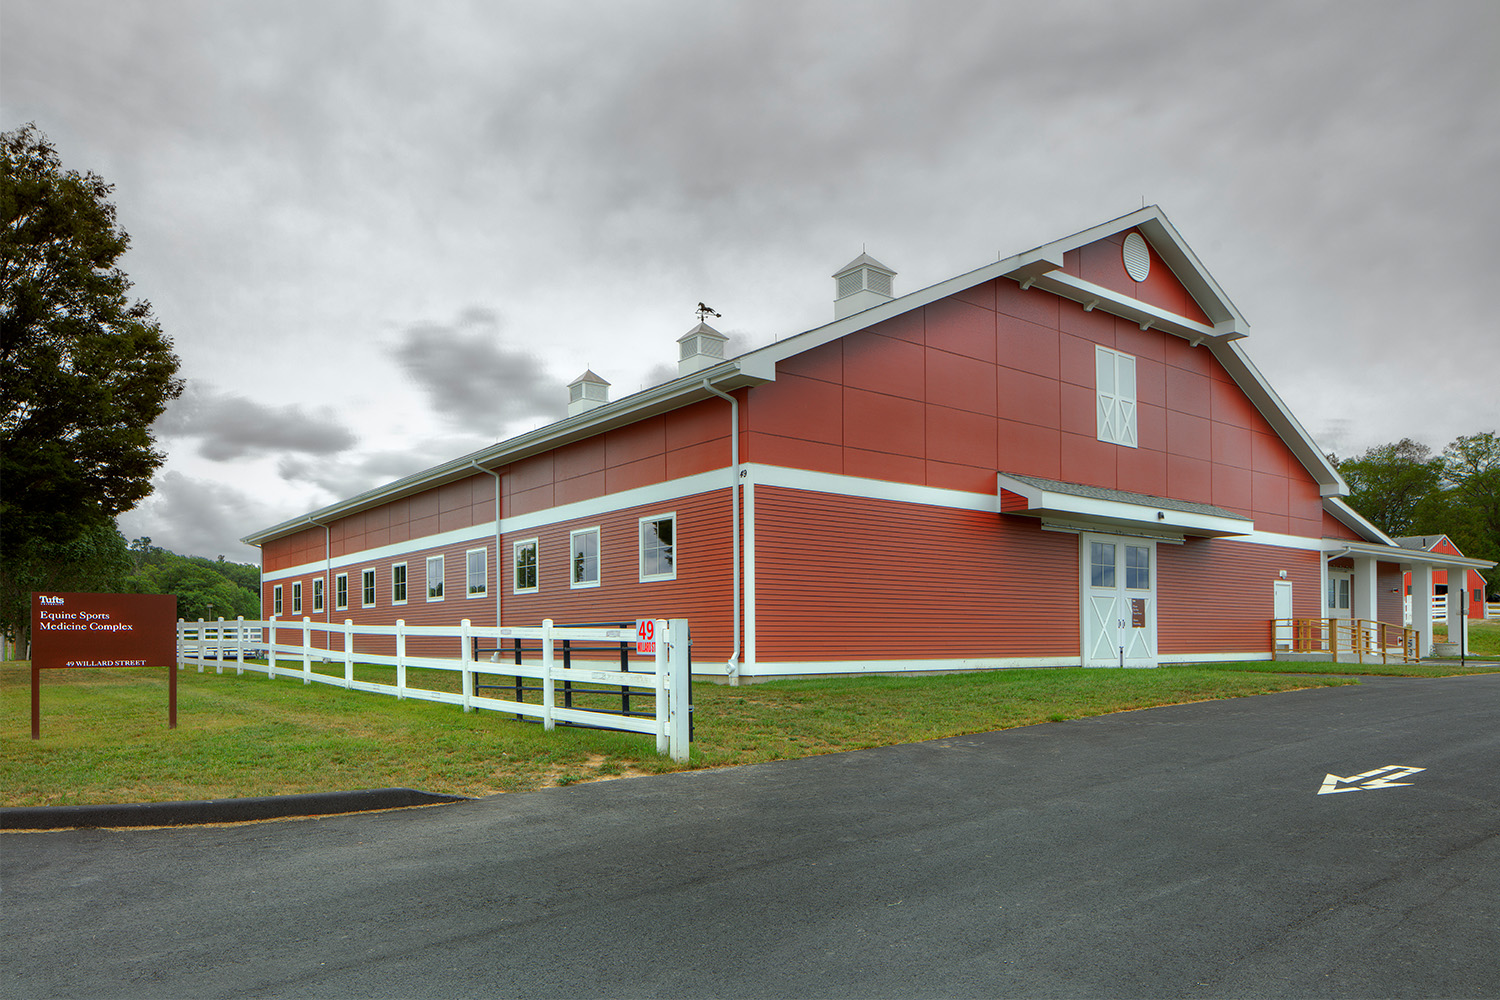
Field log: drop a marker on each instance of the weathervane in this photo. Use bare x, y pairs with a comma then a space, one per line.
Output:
704, 312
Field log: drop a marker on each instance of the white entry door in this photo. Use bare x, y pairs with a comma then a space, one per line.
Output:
1281, 611
1119, 601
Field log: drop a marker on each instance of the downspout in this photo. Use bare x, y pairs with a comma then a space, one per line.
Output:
499, 562
732, 665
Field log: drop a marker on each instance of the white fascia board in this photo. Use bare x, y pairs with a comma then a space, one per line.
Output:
747, 370
1084, 511
1093, 296
1355, 521
1411, 557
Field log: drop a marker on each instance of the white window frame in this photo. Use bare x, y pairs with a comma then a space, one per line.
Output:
483, 589
276, 599
431, 596
297, 598
341, 592
1115, 393
671, 547
317, 594
367, 593
573, 553
515, 565
398, 587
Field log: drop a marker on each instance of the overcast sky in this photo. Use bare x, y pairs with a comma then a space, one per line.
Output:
382, 235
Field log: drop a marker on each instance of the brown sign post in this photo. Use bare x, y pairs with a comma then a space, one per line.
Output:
102, 630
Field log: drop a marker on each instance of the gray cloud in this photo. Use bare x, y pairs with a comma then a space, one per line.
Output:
230, 427
200, 517
475, 380
348, 477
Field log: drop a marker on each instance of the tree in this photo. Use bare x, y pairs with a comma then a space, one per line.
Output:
1395, 486
1471, 472
84, 371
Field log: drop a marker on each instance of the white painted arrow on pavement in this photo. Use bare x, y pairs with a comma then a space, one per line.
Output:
1381, 777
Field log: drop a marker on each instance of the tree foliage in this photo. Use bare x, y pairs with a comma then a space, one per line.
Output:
1403, 489
205, 588
84, 370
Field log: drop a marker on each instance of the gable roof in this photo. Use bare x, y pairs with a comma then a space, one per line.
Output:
1040, 267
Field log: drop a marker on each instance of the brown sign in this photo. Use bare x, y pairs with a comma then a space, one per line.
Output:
1137, 612
103, 630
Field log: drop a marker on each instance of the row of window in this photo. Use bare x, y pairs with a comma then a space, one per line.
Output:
657, 555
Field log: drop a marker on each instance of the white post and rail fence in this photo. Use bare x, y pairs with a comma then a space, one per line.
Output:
290, 648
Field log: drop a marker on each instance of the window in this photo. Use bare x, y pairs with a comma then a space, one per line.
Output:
318, 594
434, 578
276, 599
398, 583
1137, 567
584, 558
524, 556
1101, 564
1338, 593
297, 598
367, 588
658, 548
1115, 375
477, 572
341, 592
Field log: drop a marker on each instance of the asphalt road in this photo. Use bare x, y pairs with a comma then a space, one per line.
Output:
1173, 852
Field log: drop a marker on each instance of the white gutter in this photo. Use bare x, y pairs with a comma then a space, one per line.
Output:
732, 665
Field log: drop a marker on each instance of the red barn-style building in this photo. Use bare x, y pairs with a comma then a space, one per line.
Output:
1062, 457
1474, 601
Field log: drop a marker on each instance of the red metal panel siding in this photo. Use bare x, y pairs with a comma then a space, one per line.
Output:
1390, 601
702, 593
845, 578
1215, 596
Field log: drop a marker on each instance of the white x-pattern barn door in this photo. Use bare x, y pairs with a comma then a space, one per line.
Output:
1119, 601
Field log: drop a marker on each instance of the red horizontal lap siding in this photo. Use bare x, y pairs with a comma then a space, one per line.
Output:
1215, 595
845, 578
702, 592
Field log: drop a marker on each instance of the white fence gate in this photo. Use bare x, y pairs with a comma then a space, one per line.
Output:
223, 643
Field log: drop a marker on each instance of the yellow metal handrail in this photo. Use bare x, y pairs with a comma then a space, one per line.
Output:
1361, 637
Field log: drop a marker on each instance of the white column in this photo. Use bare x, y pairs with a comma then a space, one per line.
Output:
1363, 603
1421, 606
1459, 600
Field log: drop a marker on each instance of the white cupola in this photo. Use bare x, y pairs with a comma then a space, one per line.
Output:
862, 283
701, 347
586, 392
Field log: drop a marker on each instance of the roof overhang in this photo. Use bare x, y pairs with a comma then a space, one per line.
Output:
737, 373
1409, 558
1356, 522
1075, 506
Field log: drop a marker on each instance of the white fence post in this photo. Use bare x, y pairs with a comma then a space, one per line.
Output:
400, 657
219, 648
680, 672
466, 664
271, 648
663, 690
306, 650
348, 652
548, 722
200, 645
239, 646
181, 633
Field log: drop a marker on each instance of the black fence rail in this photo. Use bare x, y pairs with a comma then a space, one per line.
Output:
588, 650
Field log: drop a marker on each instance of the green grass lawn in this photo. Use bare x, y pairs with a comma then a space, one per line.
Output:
105, 739
1484, 637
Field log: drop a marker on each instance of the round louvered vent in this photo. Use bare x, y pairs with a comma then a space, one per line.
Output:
1137, 257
